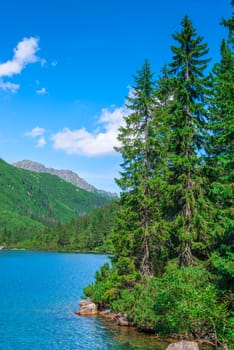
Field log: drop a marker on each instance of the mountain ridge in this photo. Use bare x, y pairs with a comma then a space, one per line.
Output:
67, 175
31, 200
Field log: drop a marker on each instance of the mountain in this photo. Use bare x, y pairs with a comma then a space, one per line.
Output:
29, 201
66, 175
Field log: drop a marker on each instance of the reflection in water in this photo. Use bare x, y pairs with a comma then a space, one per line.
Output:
128, 338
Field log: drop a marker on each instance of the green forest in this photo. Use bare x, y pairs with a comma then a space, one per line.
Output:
33, 202
86, 233
173, 264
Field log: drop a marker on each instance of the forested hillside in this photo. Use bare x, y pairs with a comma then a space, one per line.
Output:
173, 268
91, 232
31, 201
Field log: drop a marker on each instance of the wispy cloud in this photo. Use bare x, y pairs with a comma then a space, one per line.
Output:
24, 54
97, 143
8, 86
41, 142
38, 134
41, 91
35, 132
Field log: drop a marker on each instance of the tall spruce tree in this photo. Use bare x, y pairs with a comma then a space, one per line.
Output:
187, 117
220, 161
134, 229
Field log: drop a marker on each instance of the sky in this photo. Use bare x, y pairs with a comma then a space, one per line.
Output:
66, 67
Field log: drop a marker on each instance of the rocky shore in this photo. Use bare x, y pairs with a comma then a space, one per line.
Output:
88, 308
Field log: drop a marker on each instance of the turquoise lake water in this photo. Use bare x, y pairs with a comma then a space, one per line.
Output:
39, 292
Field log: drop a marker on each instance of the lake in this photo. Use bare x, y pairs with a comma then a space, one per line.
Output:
39, 292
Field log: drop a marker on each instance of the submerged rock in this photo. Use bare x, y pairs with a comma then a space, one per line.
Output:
183, 345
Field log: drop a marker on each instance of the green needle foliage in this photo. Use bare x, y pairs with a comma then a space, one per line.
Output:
186, 121
173, 268
220, 162
138, 152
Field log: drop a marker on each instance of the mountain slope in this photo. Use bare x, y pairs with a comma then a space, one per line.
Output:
29, 201
66, 175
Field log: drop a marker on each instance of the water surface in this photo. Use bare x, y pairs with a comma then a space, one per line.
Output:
39, 292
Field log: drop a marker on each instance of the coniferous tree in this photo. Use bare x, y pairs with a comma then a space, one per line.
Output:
229, 23
220, 160
221, 150
134, 230
189, 213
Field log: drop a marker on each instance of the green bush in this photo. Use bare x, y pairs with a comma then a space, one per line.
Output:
126, 303
110, 281
184, 301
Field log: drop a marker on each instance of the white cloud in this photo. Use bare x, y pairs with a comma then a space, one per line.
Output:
95, 143
41, 91
35, 132
24, 54
7, 86
41, 142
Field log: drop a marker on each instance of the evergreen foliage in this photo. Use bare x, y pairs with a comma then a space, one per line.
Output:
220, 164
186, 121
183, 300
90, 232
173, 268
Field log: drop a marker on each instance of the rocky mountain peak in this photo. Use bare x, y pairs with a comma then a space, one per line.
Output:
66, 175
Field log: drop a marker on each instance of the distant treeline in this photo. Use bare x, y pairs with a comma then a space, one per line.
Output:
87, 233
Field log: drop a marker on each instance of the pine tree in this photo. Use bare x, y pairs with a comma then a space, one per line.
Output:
187, 117
134, 230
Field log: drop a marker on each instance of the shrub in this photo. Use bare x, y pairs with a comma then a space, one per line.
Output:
186, 302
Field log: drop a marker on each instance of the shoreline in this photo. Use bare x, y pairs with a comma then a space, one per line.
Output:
89, 309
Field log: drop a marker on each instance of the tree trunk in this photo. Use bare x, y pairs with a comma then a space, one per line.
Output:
185, 256
145, 264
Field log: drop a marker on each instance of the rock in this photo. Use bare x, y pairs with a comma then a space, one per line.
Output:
83, 303
124, 321
87, 308
183, 345
108, 314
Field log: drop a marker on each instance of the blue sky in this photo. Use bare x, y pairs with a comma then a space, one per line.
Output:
66, 68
